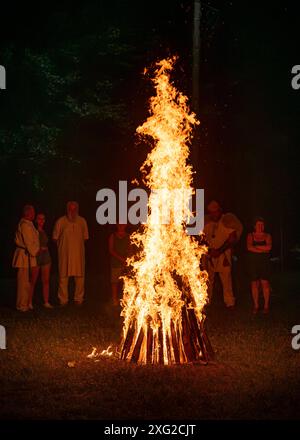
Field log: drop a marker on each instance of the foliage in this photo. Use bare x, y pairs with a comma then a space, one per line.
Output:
51, 89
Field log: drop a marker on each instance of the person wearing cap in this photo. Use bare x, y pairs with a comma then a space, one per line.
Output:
24, 259
70, 233
222, 232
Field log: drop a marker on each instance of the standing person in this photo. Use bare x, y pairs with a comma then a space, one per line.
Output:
70, 233
259, 245
222, 232
43, 260
119, 249
27, 242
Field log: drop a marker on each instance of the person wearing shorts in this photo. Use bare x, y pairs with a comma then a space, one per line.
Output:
259, 245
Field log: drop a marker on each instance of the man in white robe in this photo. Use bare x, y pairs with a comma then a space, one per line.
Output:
222, 232
70, 233
28, 245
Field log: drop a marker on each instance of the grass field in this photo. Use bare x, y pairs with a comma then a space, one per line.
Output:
256, 374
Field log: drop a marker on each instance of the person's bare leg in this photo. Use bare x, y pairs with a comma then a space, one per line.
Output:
114, 293
46, 280
266, 292
34, 274
255, 294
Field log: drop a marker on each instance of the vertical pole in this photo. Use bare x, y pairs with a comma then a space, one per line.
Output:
196, 75
281, 245
196, 54
2, 78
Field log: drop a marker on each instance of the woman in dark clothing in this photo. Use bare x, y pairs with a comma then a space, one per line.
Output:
259, 245
43, 260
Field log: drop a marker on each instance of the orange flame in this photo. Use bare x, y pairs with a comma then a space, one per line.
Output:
165, 284
108, 352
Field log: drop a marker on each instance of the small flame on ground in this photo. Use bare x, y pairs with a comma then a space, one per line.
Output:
95, 354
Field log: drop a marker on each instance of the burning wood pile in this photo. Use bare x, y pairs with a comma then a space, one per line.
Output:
166, 291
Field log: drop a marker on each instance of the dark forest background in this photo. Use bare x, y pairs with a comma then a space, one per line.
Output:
75, 95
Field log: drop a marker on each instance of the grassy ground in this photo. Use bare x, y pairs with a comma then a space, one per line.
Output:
256, 374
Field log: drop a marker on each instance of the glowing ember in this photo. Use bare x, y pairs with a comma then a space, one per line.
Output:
165, 293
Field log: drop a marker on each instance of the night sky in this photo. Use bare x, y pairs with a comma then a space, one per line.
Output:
75, 94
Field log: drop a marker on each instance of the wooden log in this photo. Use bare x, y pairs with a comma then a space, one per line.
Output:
187, 337
186, 342
175, 343
149, 355
206, 342
137, 348
128, 341
161, 345
201, 349
195, 333
168, 348
205, 345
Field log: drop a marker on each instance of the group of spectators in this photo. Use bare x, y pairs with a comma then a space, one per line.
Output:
32, 255
222, 231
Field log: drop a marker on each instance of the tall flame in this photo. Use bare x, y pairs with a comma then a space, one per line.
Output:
166, 291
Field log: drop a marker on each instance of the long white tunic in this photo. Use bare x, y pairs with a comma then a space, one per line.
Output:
70, 236
28, 244
217, 233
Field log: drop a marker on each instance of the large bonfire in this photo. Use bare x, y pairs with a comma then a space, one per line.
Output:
166, 291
